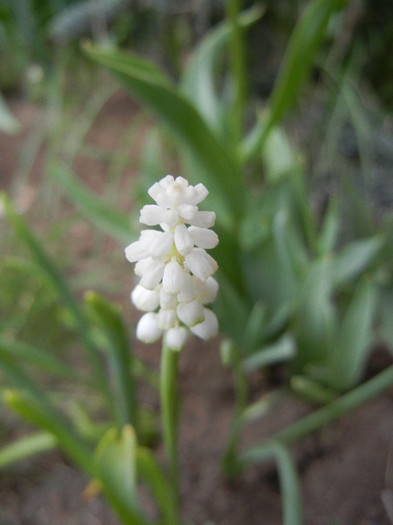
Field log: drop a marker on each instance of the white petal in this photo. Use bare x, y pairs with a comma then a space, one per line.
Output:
152, 274
137, 250
201, 264
145, 300
176, 337
182, 181
201, 193
208, 328
203, 219
188, 291
203, 237
187, 211
183, 240
190, 313
172, 280
167, 319
161, 244
147, 329
167, 301
212, 286
151, 214
142, 266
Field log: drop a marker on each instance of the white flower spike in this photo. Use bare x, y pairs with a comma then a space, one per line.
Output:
175, 271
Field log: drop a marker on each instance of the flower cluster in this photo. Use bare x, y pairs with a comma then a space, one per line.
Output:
175, 271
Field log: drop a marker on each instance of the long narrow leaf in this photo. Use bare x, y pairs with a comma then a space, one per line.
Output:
26, 447
299, 57
32, 356
151, 473
120, 357
352, 345
106, 218
54, 276
38, 415
198, 81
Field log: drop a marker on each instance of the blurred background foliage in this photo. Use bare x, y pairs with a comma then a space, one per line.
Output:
313, 218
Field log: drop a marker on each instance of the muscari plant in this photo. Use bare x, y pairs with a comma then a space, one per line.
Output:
291, 290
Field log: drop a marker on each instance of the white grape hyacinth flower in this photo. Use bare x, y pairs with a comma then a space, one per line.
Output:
174, 268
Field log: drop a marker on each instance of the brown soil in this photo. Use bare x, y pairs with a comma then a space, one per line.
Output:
346, 470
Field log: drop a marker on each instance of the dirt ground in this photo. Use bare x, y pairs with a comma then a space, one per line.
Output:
346, 469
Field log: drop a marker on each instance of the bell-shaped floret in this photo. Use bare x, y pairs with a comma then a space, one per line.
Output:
190, 313
175, 338
208, 328
144, 299
172, 280
200, 263
147, 329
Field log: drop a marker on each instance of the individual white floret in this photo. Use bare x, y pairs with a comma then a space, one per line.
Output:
208, 328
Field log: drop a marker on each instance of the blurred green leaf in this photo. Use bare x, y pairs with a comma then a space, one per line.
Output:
222, 175
311, 390
329, 230
27, 354
26, 447
302, 48
315, 322
254, 330
352, 344
355, 258
115, 462
199, 77
54, 276
151, 473
282, 350
278, 155
289, 480
106, 218
119, 352
51, 420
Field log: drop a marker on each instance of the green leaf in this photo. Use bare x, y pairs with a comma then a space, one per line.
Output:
27, 354
199, 77
151, 473
298, 60
220, 171
26, 447
329, 230
45, 416
311, 390
54, 276
352, 344
278, 155
355, 258
115, 461
290, 486
118, 349
116, 468
315, 319
106, 218
289, 480
282, 350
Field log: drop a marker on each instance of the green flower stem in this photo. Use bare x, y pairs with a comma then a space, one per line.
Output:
170, 414
325, 415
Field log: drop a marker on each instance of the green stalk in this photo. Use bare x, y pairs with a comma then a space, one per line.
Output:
170, 415
238, 70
